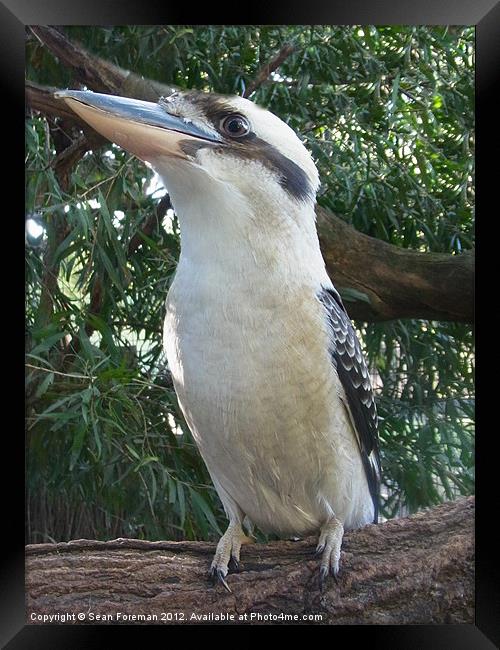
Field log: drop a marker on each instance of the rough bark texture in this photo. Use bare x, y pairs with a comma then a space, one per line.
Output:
383, 281
418, 570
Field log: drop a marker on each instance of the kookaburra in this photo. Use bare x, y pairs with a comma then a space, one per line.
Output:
266, 365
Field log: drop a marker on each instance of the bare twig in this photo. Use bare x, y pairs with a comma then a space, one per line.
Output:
271, 66
62, 374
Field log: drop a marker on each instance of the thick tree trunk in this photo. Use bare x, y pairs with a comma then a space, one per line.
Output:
379, 281
417, 570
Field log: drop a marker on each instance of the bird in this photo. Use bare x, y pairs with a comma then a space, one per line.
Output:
266, 364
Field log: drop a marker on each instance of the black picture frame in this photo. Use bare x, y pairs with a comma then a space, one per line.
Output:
485, 15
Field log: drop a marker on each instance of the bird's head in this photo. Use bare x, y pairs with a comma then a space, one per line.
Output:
205, 145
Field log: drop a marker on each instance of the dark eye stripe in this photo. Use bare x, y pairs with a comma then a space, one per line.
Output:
248, 146
292, 178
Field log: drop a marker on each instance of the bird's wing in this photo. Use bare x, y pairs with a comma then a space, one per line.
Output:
350, 365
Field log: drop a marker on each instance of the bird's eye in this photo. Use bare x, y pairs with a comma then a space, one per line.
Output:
235, 126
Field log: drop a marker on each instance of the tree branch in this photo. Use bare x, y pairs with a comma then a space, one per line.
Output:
271, 66
96, 73
418, 570
41, 98
393, 282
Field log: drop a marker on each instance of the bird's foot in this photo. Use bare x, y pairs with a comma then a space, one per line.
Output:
330, 541
227, 554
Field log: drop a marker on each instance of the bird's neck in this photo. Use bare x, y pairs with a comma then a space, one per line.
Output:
241, 240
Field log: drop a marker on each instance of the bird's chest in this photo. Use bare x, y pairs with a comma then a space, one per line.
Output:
247, 358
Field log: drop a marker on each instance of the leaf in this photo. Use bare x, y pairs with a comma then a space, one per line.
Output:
107, 334
55, 405
77, 445
353, 295
146, 461
48, 343
64, 246
97, 438
110, 270
85, 413
89, 350
172, 490
181, 500
199, 502
42, 388
133, 452
394, 98
111, 230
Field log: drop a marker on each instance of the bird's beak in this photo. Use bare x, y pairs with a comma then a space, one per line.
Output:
145, 129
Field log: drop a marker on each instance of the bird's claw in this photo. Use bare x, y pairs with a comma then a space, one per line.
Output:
319, 549
227, 554
217, 576
329, 548
323, 575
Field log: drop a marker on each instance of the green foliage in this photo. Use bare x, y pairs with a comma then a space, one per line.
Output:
388, 113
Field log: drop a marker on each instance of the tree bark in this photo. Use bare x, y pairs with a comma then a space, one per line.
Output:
417, 570
378, 281
388, 282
